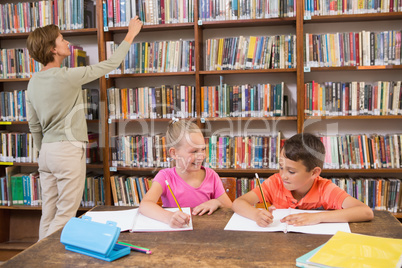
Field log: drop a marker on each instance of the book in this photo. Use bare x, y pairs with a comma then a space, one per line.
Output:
240, 223
17, 189
133, 221
302, 260
80, 57
10, 171
356, 250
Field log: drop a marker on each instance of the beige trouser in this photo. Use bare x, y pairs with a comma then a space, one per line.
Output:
62, 168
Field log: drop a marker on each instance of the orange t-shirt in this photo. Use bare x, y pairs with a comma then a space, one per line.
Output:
324, 194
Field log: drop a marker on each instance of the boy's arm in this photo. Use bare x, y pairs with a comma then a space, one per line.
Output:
151, 209
353, 211
244, 206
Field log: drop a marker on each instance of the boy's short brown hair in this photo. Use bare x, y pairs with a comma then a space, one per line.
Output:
305, 147
41, 42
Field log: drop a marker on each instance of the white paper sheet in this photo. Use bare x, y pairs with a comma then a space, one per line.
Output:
132, 220
240, 223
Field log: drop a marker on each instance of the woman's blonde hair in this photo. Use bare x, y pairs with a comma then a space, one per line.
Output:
177, 130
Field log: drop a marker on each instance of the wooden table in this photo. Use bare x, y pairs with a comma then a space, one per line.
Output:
208, 245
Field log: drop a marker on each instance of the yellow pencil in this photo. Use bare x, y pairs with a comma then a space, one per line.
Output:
262, 193
170, 189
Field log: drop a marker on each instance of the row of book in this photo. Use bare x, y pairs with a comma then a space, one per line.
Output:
252, 52
243, 152
152, 102
213, 10
94, 191
13, 104
17, 147
129, 190
377, 193
362, 151
92, 150
363, 48
261, 100
353, 98
25, 17
139, 151
156, 57
77, 58
91, 103
16, 63
117, 13
20, 148
255, 151
238, 152
18, 188
342, 7
24, 189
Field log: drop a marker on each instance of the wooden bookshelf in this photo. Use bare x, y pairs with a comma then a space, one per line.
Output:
200, 29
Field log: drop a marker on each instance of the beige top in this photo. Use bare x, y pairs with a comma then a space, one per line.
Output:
55, 102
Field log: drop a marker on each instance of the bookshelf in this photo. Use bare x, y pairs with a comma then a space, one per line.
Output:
19, 224
296, 122
292, 123
295, 78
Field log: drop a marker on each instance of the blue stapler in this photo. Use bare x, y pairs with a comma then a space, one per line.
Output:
93, 239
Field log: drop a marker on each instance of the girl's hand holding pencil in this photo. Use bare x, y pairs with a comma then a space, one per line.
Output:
179, 219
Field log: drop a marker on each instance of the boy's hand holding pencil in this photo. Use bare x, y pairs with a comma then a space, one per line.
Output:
263, 217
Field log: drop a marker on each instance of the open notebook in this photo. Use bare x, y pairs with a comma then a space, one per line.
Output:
240, 223
133, 221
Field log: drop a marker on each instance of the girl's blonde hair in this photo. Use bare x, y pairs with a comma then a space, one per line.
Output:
177, 130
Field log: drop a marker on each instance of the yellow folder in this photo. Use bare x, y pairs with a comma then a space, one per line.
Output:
355, 250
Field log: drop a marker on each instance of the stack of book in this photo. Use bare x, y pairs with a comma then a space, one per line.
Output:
354, 250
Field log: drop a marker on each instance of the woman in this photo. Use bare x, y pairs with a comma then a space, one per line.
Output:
57, 121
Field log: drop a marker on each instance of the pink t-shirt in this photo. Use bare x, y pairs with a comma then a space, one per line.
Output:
186, 195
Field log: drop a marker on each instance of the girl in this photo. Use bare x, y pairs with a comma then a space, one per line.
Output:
193, 185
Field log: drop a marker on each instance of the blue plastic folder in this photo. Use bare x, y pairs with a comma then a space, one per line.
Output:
94, 239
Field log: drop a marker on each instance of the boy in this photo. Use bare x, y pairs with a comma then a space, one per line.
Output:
299, 185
